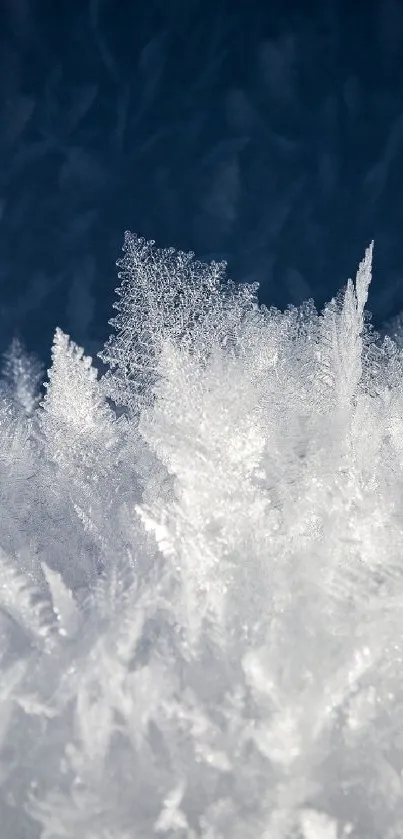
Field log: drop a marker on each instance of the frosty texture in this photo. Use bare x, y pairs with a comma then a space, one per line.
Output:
201, 570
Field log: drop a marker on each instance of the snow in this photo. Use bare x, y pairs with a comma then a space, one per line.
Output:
200, 569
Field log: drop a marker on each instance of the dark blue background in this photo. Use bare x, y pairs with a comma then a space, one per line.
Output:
269, 134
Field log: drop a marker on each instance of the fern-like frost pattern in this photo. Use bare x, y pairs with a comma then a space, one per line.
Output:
201, 577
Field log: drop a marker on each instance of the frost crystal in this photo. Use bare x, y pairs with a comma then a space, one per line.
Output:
201, 569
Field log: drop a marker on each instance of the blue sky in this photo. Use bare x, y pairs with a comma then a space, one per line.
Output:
268, 134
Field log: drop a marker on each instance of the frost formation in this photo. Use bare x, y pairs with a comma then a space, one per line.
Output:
201, 569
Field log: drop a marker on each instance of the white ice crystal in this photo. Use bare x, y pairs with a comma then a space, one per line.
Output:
201, 579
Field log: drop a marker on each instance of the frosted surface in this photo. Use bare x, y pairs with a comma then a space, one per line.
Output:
201, 578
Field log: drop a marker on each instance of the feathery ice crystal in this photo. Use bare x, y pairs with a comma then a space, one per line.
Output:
201, 570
